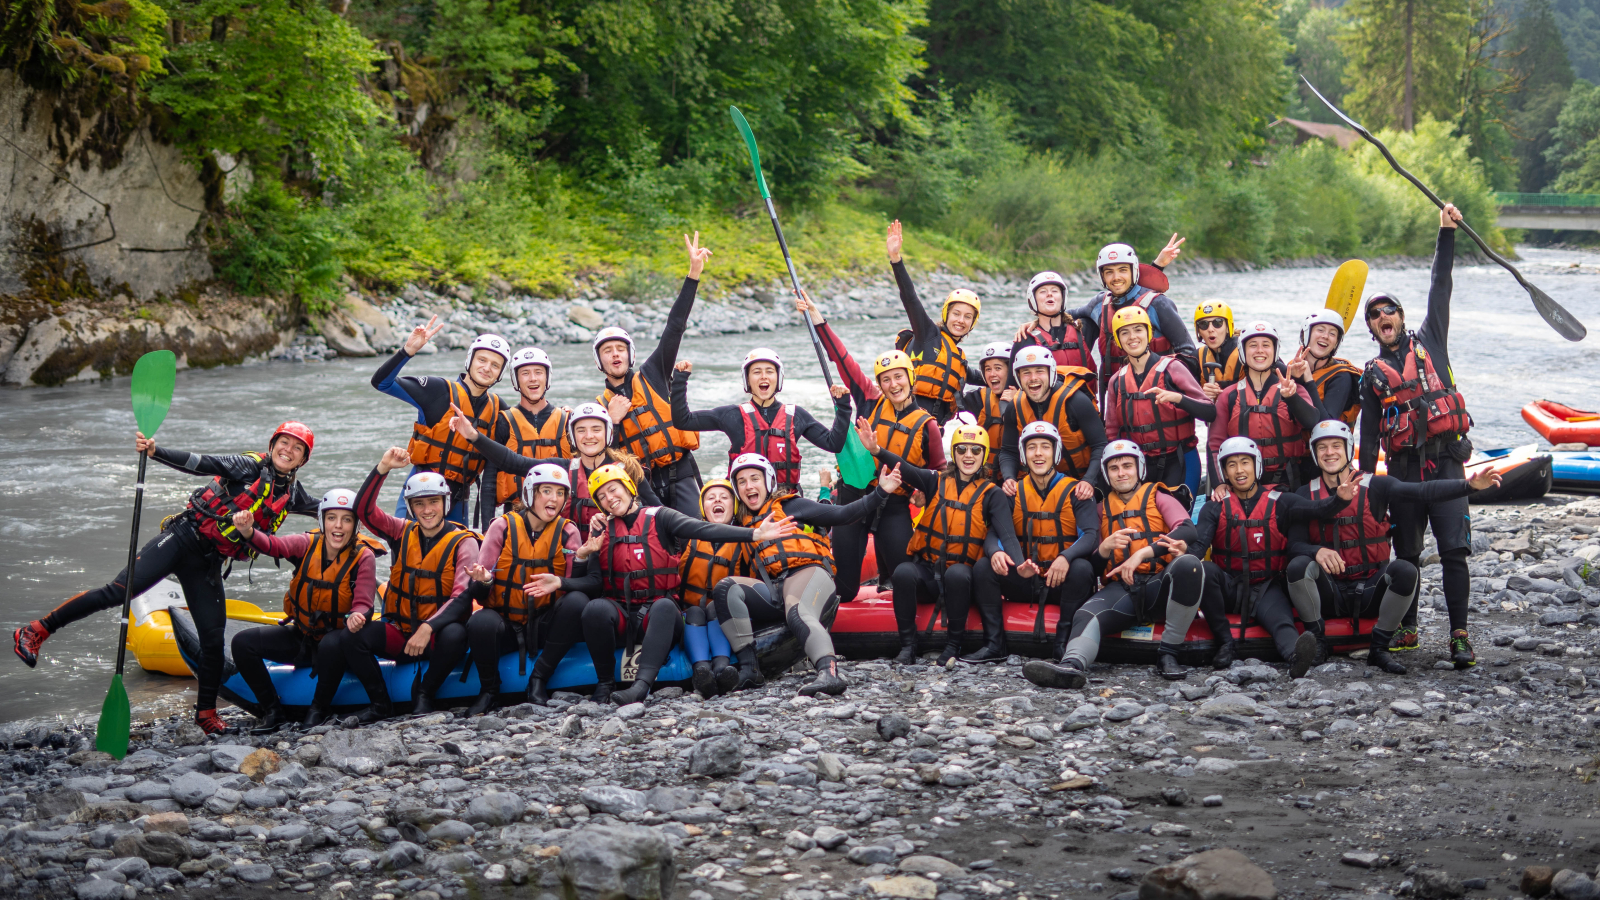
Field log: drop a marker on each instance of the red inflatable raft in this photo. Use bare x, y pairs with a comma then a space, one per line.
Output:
1561, 424
865, 629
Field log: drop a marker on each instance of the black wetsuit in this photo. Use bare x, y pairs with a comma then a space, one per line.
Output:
730, 420
926, 338
990, 588
1081, 416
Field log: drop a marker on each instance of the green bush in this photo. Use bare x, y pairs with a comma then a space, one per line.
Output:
277, 243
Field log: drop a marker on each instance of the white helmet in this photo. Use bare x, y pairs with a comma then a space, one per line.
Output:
1042, 279
611, 333
964, 417
1000, 350
544, 473
1259, 329
1112, 254
493, 343
1240, 446
427, 484
1040, 429
1032, 355
531, 356
1333, 428
762, 354
338, 498
1121, 448
754, 461
1322, 317
589, 410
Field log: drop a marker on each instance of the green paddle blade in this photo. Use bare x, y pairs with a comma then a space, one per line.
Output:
116, 720
154, 376
856, 465
750, 142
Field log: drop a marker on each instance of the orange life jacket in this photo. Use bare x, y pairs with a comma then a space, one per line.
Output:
321, 591
787, 554
214, 508
420, 583
647, 430
952, 527
1045, 524
703, 565
549, 442
942, 378
1232, 366
1075, 449
1141, 513
441, 450
1418, 406
902, 433
522, 556
1320, 379
992, 415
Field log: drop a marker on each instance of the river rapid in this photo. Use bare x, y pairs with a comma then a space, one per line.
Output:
67, 462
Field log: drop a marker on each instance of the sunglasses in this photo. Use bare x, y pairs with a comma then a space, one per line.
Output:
968, 450
1388, 309
1208, 324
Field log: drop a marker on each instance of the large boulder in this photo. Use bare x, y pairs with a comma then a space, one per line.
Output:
496, 809
343, 333
616, 862
717, 756
374, 324
158, 848
1222, 874
362, 751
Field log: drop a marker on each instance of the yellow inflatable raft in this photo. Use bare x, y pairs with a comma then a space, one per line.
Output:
150, 637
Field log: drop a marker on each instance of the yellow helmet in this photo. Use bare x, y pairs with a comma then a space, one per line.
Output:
1210, 309
961, 295
970, 433
716, 482
608, 473
1129, 315
894, 359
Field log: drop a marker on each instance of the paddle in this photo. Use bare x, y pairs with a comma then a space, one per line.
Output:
1344, 292
154, 376
1562, 321
856, 466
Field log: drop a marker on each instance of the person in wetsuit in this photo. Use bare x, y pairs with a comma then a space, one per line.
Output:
941, 366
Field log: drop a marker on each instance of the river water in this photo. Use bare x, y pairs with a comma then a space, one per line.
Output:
67, 462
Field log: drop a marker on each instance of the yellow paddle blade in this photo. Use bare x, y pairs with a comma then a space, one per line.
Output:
1344, 293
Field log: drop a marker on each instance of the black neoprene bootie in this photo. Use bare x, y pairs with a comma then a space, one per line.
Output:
705, 683
828, 680
633, 693
270, 720
538, 694
602, 692
423, 704
952, 650
1304, 655
988, 653
483, 704
1065, 674
908, 650
1379, 654
1167, 665
380, 708
315, 716
1226, 653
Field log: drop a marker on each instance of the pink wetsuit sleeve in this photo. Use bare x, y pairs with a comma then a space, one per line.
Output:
381, 523
366, 586
287, 546
1172, 512
494, 540
1184, 381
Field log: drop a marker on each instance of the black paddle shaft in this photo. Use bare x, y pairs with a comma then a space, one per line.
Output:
133, 557
1562, 321
794, 279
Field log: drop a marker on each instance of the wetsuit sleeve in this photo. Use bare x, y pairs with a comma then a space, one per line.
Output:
1304, 410
430, 395
915, 477
997, 506
1420, 491
1337, 399
365, 590
494, 540
1435, 330
1194, 400
657, 368
292, 547
303, 504
1088, 320
1221, 429
647, 494
1112, 417
585, 576
1082, 414
377, 521
924, 331
717, 419
1010, 433
935, 439
850, 373
571, 537
673, 527
503, 458
811, 512
1085, 511
831, 440
1205, 530
1371, 412
1176, 331
233, 467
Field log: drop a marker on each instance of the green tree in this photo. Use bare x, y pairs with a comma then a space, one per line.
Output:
1579, 21
1575, 150
1405, 60
1319, 55
1546, 77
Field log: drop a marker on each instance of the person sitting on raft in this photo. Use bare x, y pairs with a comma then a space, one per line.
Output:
964, 506
702, 565
1153, 400
1333, 383
636, 399
589, 430
194, 544
1352, 573
762, 424
1055, 567
328, 601
941, 373
519, 545
899, 425
535, 427
433, 448
990, 404
1061, 396
1269, 406
1128, 282
796, 575
1219, 360
431, 561
1250, 536
1144, 532
633, 580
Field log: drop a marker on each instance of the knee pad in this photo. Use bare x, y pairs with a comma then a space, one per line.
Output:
1402, 577
1304, 568
694, 616
728, 598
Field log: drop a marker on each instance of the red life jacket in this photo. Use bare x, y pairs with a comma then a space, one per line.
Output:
1110, 353
1157, 428
580, 506
777, 442
1265, 418
214, 508
549, 442
638, 568
1361, 540
1248, 541
1417, 405
1071, 350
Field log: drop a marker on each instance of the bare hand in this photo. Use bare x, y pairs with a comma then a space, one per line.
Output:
1330, 561
542, 585
393, 458
825, 477
418, 644
773, 528
591, 546
697, 254
1288, 387
684, 365
143, 444
1347, 485
1484, 479
893, 242
1028, 568
889, 479
1219, 493
1449, 216
1172, 545
1117, 541
1001, 561
804, 306
460, 424
355, 622
1211, 389
1009, 486
1057, 572
1170, 398
838, 391
244, 522
869, 437
1009, 395
1170, 251
1083, 490
1126, 571
421, 335
1299, 367
618, 408
480, 572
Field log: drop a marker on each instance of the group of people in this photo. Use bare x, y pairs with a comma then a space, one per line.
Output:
1047, 470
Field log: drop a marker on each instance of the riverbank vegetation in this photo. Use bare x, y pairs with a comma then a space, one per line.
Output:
468, 141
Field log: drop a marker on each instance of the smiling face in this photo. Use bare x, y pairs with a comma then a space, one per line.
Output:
548, 501
969, 458
287, 453
1322, 340
1035, 381
763, 381
896, 385
1260, 353
339, 528
1134, 339
960, 319
590, 436
1240, 470
995, 373
752, 485
1386, 321
484, 370
1048, 299
429, 512
613, 357
1212, 330
1117, 277
1332, 455
531, 382
1041, 455
614, 499
1123, 473
719, 505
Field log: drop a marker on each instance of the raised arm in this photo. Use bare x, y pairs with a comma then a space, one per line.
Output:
658, 365
685, 419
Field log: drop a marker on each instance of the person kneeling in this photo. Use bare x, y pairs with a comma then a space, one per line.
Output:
1141, 526
328, 601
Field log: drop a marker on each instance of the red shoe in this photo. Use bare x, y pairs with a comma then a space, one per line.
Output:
210, 722
27, 641
1405, 638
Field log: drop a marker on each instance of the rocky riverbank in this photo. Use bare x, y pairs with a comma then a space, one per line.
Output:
964, 783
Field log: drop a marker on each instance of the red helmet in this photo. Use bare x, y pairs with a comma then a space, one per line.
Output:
299, 432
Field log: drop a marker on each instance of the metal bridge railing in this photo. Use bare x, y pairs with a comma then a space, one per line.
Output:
1508, 198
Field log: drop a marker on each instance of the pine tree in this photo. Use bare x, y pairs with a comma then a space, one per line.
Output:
1547, 77
1406, 60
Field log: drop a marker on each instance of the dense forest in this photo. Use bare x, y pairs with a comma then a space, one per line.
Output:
533, 141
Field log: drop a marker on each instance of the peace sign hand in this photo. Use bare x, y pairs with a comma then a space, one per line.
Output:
1347, 485
421, 335
460, 424
1170, 251
697, 255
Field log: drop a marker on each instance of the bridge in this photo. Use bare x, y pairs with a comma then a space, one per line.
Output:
1558, 212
